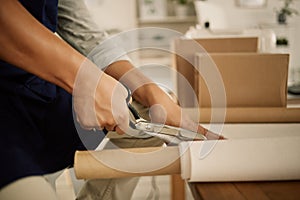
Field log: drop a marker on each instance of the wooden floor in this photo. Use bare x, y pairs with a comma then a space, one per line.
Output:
277, 190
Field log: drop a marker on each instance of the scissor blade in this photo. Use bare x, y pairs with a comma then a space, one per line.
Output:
180, 133
188, 134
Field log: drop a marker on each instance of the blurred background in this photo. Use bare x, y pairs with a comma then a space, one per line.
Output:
277, 22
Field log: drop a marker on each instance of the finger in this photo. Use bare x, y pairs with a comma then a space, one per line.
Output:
111, 128
158, 114
86, 127
202, 130
209, 135
120, 131
95, 129
116, 129
90, 128
121, 115
213, 136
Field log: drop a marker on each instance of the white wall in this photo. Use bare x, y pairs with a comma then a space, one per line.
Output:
239, 18
113, 14
121, 15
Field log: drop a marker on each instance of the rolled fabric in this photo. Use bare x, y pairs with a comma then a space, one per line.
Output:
255, 159
248, 155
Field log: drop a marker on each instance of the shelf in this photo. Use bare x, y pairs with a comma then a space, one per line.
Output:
168, 20
273, 25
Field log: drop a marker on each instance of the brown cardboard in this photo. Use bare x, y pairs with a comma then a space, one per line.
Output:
184, 59
245, 115
223, 45
250, 79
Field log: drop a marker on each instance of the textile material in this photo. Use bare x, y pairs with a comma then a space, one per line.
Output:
43, 10
38, 135
20, 189
121, 188
110, 189
76, 26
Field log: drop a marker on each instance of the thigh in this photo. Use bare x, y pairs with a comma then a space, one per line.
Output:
108, 189
29, 188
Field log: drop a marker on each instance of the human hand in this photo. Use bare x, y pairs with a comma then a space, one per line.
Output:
162, 108
166, 110
100, 100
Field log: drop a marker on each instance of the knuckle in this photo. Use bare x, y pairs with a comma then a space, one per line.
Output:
110, 122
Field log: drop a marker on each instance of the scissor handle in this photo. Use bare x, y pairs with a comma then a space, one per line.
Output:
131, 108
129, 94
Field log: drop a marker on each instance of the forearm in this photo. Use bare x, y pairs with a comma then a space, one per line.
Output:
29, 45
148, 94
144, 89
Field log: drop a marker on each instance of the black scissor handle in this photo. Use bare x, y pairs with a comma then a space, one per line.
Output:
131, 108
129, 94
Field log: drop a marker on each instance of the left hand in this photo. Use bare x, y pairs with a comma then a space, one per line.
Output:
163, 109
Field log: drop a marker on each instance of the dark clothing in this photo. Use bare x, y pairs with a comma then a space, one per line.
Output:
38, 133
44, 11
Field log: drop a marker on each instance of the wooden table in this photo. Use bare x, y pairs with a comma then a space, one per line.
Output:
276, 190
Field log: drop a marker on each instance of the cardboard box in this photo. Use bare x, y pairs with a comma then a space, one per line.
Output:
185, 49
221, 45
247, 115
250, 79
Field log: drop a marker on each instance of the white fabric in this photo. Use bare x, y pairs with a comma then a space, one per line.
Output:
265, 152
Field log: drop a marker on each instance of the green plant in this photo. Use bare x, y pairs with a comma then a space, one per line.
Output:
148, 1
286, 11
183, 2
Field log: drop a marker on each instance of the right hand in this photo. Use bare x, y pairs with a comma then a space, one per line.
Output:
100, 100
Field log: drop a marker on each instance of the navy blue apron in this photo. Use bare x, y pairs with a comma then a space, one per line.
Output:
37, 131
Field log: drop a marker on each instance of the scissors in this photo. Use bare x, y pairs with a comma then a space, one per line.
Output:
171, 134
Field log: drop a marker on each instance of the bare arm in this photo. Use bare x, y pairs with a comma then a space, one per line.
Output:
27, 44
148, 93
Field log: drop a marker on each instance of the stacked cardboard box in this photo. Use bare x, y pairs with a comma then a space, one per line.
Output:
249, 79
229, 74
